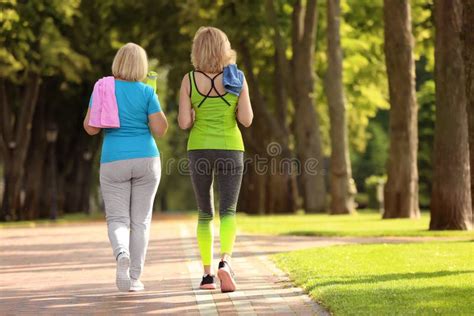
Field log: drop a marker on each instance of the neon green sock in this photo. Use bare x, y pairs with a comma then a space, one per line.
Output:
228, 230
205, 237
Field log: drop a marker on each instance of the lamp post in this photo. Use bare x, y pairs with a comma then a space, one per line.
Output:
51, 137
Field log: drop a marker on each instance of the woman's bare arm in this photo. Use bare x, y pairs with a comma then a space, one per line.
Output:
90, 129
244, 107
186, 112
158, 124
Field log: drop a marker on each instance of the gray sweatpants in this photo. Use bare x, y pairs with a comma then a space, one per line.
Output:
128, 188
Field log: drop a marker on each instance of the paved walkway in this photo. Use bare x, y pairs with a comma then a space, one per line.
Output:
70, 270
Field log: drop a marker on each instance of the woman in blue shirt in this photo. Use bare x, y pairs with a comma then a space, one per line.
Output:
130, 167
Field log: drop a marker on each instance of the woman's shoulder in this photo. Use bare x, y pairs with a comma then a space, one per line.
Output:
147, 90
186, 79
142, 85
136, 87
187, 75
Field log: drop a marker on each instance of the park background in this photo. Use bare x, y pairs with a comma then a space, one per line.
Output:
349, 84
53, 52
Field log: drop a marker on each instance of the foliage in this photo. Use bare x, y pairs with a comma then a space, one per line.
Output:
423, 32
372, 161
72, 43
364, 66
387, 279
375, 180
31, 40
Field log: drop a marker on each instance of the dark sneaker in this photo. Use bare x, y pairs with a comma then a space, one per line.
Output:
226, 276
208, 282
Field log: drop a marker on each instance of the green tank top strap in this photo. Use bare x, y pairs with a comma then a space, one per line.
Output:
192, 88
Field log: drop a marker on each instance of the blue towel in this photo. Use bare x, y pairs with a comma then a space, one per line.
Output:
233, 79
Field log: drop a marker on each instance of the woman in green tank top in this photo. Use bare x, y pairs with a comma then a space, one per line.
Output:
215, 146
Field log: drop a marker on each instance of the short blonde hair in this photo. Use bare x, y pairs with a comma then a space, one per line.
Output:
130, 63
211, 50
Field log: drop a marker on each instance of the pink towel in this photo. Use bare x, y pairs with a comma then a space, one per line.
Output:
104, 111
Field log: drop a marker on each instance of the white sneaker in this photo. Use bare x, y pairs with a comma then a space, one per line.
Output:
136, 285
123, 277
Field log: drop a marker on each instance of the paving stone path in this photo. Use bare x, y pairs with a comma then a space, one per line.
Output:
69, 269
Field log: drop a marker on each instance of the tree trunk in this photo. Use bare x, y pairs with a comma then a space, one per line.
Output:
15, 141
266, 191
342, 185
288, 177
451, 196
281, 72
11, 193
34, 179
252, 197
401, 189
468, 54
79, 178
306, 121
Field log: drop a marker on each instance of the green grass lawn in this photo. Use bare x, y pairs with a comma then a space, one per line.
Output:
387, 279
65, 219
365, 223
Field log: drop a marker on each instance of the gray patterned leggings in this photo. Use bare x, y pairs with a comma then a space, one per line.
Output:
226, 166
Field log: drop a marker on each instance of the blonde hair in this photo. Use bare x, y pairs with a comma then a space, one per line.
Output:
211, 50
130, 63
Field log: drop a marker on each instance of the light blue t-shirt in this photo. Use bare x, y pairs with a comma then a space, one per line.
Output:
133, 139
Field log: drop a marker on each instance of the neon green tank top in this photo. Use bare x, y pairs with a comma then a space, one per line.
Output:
215, 125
